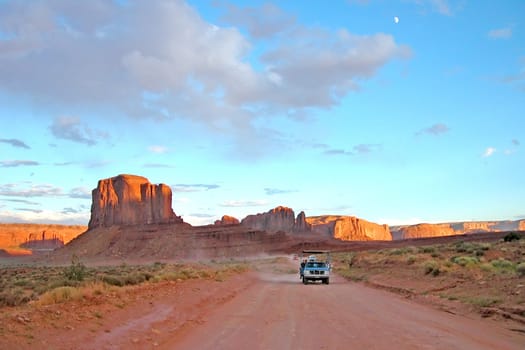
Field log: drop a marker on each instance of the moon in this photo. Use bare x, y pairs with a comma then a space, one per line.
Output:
396, 20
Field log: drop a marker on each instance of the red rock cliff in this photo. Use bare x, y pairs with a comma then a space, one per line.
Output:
426, 230
227, 220
129, 200
349, 228
277, 219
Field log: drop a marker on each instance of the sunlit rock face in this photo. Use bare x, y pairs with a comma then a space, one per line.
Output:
227, 220
426, 230
349, 228
131, 200
277, 219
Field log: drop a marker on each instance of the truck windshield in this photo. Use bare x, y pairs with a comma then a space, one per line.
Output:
316, 264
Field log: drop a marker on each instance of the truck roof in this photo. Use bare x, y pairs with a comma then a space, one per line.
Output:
315, 251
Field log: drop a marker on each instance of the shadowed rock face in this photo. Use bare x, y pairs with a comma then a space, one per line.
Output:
349, 228
227, 220
129, 200
277, 219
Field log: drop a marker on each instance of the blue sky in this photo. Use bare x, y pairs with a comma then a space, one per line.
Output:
241, 106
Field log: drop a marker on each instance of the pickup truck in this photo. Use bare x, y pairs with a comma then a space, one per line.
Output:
315, 268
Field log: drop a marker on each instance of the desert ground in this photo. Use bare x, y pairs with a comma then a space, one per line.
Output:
381, 297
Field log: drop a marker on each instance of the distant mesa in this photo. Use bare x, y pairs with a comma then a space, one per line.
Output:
278, 219
455, 228
131, 200
227, 220
349, 228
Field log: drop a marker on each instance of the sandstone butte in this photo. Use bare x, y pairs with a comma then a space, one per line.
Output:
227, 220
349, 228
131, 200
278, 219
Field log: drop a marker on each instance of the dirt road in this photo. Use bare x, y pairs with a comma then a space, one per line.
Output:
278, 312
268, 309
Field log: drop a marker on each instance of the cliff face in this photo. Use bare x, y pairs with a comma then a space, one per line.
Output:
426, 230
349, 228
129, 200
277, 219
457, 228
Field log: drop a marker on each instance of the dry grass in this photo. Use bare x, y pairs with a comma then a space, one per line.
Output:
479, 275
49, 285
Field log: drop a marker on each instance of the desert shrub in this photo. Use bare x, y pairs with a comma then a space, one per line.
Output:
465, 261
503, 266
512, 236
464, 247
431, 267
76, 271
520, 269
113, 280
60, 295
402, 251
411, 259
482, 301
13, 297
427, 250
479, 252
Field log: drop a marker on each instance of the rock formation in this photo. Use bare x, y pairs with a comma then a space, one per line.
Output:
426, 230
456, 228
129, 200
300, 223
227, 220
349, 228
277, 219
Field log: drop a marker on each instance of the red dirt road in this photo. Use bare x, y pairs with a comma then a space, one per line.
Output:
278, 312
268, 309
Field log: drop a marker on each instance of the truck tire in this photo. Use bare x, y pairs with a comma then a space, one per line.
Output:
305, 281
327, 281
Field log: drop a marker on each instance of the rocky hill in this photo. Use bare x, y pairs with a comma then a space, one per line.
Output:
130, 200
349, 228
277, 219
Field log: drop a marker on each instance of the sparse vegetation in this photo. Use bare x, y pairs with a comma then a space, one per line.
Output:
47, 285
477, 274
512, 236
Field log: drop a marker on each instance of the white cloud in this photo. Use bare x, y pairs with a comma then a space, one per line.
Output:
436, 129
157, 149
162, 59
72, 129
245, 203
33, 190
440, 6
66, 217
501, 33
17, 163
489, 152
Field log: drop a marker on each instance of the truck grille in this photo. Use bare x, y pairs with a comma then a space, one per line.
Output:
317, 272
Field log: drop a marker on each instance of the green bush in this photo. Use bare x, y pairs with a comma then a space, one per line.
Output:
502, 264
76, 271
520, 269
411, 259
465, 260
431, 267
512, 236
